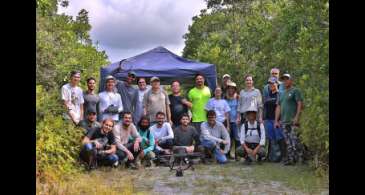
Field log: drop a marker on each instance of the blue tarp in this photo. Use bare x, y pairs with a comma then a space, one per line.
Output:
162, 63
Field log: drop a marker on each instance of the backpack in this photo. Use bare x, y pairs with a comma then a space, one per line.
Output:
257, 128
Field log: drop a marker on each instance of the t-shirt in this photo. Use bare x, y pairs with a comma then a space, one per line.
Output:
122, 135
87, 125
107, 99
90, 101
101, 137
185, 137
199, 98
266, 89
220, 106
163, 133
155, 102
249, 99
177, 108
74, 98
233, 105
270, 105
288, 104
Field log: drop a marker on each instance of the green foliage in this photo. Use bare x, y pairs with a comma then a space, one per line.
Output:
63, 45
243, 37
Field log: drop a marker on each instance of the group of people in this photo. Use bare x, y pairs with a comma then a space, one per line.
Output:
124, 124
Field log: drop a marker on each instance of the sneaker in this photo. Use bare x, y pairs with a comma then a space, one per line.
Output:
148, 163
115, 165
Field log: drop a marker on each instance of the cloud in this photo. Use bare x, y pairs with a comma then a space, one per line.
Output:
125, 28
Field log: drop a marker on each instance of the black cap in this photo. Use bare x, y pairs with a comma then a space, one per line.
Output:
91, 110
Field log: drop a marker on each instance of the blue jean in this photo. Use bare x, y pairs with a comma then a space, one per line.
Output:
271, 132
219, 156
234, 131
108, 159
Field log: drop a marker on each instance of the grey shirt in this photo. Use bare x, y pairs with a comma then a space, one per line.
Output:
250, 99
185, 137
217, 134
90, 101
129, 96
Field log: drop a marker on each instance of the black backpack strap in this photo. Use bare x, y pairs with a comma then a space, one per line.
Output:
258, 128
148, 134
246, 127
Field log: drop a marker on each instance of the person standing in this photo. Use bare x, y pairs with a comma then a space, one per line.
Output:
274, 72
199, 97
128, 94
142, 89
232, 100
226, 78
110, 102
91, 99
250, 97
156, 100
73, 99
274, 135
220, 106
178, 104
288, 110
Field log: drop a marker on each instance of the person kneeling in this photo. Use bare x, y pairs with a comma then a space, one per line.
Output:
252, 139
163, 134
185, 136
213, 134
148, 141
128, 141
99, 146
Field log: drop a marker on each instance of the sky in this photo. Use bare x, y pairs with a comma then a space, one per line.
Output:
125, 28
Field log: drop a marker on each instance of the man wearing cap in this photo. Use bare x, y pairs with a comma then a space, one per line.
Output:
199, 97
90, 122
91, 99
232, 100
129, 94
288, 110
110, 102
156, 100
252, 138
73, 98
274, 72
274, 135
226, 78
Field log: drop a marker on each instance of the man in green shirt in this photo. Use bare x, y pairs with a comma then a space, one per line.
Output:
288, 109
199, 96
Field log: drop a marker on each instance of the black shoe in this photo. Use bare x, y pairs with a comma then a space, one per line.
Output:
288, 162
247, 161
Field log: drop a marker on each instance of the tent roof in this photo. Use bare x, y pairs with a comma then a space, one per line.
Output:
162, 63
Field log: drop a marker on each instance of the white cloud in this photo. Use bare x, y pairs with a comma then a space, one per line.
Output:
125, 28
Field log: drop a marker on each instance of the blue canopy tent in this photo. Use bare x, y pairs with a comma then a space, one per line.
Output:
162, 63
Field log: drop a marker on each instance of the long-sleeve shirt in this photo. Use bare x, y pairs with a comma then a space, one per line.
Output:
147, 143
163, 133
252, 136
217, 134
107, 99
122, 135
250, 99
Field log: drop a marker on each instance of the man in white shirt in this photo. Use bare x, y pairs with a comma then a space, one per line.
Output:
252, 138
110, 104
73, 99
163, 134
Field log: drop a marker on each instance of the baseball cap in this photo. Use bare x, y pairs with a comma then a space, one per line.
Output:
231, 84
91, 110
109, 77
286, 75
226, 75
132, 73
155, 79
